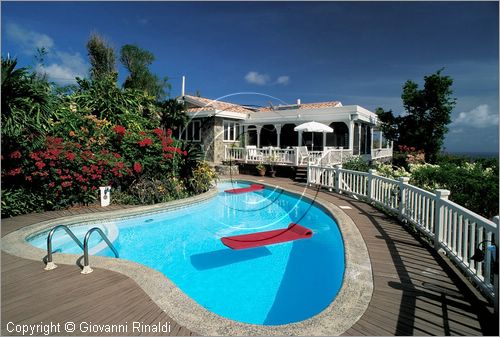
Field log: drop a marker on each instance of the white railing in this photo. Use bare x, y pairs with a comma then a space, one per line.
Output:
381, 153
452, 228
328, 157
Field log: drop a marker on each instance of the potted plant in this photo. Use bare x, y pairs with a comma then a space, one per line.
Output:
270, 161
261, 169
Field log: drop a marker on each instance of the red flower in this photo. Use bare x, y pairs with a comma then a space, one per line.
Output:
117, 155
159, 132
52, 184
70, 156
14, 172
142, 133
185, 153
169, 132
137, 167
15, 155
66, 183
40, 165
120, 130
84, 188
145, 142
35, 155
28, 178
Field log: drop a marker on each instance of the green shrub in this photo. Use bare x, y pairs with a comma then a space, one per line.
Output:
356, 164
20, 201
203, 178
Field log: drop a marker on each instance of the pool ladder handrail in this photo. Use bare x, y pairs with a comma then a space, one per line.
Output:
85, 246
50, 264
86, 266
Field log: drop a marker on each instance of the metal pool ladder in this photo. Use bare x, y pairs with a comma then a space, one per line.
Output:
85, 246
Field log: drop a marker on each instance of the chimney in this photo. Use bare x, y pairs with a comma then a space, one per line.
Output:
298, 101
183, 89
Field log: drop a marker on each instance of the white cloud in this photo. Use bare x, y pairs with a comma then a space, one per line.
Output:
255, 77
284, 80
28, 40
60, 66
479, 117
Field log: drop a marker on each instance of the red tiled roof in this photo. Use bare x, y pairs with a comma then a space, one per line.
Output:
208, 105
319, 105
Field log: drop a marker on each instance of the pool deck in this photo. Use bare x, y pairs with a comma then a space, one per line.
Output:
416, 290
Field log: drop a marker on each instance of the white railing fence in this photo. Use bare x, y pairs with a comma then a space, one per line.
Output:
452, 228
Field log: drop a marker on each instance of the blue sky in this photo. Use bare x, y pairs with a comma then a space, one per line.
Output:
356, 52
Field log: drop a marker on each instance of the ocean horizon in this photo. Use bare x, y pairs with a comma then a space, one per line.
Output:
485, 154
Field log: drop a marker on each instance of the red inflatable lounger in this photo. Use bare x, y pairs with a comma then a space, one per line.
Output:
253, 187
293, 232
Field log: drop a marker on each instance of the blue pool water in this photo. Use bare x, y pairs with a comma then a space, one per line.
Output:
276, 284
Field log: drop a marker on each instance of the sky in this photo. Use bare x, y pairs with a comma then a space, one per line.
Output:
355, 52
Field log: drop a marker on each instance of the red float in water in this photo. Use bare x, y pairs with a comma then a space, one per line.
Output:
293, 232
253, 187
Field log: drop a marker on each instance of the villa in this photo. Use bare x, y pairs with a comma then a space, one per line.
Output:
229, 131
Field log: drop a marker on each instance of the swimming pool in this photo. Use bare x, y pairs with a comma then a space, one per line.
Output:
276, 284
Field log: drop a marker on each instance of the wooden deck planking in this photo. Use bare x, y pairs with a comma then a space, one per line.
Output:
416, 291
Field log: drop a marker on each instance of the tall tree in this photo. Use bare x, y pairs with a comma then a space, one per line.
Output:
102, 57
428, 112
137, 62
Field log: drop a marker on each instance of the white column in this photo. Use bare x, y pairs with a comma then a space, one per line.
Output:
380, 139
371, 141
300, 139
359, 138
278, 134
245, 134
324, 140
351, 135
259, 128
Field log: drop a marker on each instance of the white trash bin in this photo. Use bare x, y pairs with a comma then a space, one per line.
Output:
105, 195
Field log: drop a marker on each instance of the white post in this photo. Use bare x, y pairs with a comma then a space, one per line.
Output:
324, 141
495, 266
403, 181
278, 135
183, 89
380, 139
371, 142
296, 156
439, 216
300, 139
371, 173
225, 152
105, 195
351, 135
259, 128
338, 177
341, 151
359, 138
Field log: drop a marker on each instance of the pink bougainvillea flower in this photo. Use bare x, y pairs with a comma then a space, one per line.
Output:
120, 130
15, 155
66, 183
145, 142
70, 156
117, 155
40, 165
159, 132
137, 167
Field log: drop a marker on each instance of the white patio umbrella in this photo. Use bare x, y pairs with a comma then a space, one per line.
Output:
313, 127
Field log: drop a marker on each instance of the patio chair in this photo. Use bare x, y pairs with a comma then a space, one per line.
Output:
253, 154
303, 155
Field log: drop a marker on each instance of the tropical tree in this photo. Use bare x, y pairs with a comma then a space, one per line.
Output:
102, 57
172, 114
26, 104
137, 62
428, 112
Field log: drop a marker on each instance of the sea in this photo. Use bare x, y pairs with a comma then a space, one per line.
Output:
474, 154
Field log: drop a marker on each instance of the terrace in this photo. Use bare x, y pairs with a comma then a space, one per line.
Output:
416, 289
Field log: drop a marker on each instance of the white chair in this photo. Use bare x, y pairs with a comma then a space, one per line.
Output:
303, 155
253, 154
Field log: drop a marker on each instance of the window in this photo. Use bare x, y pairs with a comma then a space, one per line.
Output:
231, 131
192, 131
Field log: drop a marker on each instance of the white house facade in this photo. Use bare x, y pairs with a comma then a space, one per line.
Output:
232, 132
